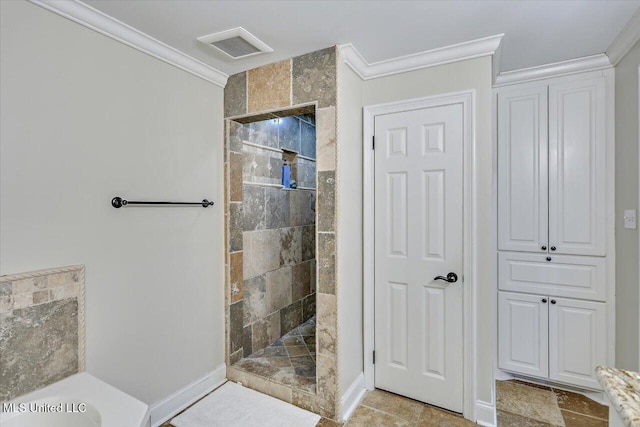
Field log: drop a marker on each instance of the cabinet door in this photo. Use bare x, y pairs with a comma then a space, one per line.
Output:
577, 341
523, 333
577, 162
522, 170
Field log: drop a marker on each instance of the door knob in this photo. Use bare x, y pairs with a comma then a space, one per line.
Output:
451, 278
544, 248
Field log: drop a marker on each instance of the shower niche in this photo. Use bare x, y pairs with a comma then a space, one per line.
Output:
272, 268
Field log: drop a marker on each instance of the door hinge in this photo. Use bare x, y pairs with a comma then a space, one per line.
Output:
374, 357
374, 141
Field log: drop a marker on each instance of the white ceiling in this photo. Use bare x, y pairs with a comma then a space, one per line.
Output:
536, 32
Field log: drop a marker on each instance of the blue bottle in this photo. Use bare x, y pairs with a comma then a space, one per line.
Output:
286, 175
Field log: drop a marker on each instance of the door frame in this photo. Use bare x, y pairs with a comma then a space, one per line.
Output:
469, 274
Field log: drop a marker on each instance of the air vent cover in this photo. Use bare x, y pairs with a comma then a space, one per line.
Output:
236, 43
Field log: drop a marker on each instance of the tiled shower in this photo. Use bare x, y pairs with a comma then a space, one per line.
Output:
279, 266
261, 107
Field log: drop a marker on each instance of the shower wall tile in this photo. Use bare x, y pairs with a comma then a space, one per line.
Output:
303, 207
235, 357
326, 367
314, 78
301, 281
326, 200
314, 274
266, 331
247, 345
327, 323
308, 307
260, 334
307, 139
274, 326
289, 133
235, 227
264, 132
235, 95
269, 86
254, 207
290, 317
235, 136
290, 246
255, 299
235, 268
235, 177
278, 289
275, 170
326, 139
326, 263
235, 326
306, 173
261, 165
308, 242
278, 210
262, 248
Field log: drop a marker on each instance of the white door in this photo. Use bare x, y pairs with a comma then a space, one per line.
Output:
523, 339
577, 162
522, 170
418, 236
577, 341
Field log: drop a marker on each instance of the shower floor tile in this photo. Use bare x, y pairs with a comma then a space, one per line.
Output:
291, 360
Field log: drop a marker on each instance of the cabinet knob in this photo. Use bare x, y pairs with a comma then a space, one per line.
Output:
544, 300
553, 248
553, 301
548, 258
544, 248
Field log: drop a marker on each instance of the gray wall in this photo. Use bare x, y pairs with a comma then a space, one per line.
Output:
627, 283
84, 118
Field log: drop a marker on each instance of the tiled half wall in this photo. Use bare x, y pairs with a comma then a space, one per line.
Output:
294, 87
42, 332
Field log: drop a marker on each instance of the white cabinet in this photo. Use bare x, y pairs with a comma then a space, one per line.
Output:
523, 333
568, 276
551, 168
522, 170
558, 339
556, 264
577, 341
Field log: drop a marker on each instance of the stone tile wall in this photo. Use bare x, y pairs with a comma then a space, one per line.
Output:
278, 229
41, 329
298, 86
278, 263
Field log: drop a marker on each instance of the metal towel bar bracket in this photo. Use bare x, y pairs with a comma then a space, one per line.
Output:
118, 202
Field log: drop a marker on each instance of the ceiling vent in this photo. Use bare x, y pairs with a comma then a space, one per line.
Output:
236, 43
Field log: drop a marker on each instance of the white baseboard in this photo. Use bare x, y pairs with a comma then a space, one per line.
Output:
166, 408
485, 414
352, 397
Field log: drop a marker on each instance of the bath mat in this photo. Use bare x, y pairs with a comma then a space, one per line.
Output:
233, 405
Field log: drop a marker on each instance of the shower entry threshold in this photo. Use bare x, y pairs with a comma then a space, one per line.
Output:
290, 360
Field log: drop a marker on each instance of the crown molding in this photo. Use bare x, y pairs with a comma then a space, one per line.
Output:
627, 38
556, 69
458, 52
89, 17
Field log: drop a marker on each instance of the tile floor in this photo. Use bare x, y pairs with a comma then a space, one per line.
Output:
524, 404
291, 360
519, 404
